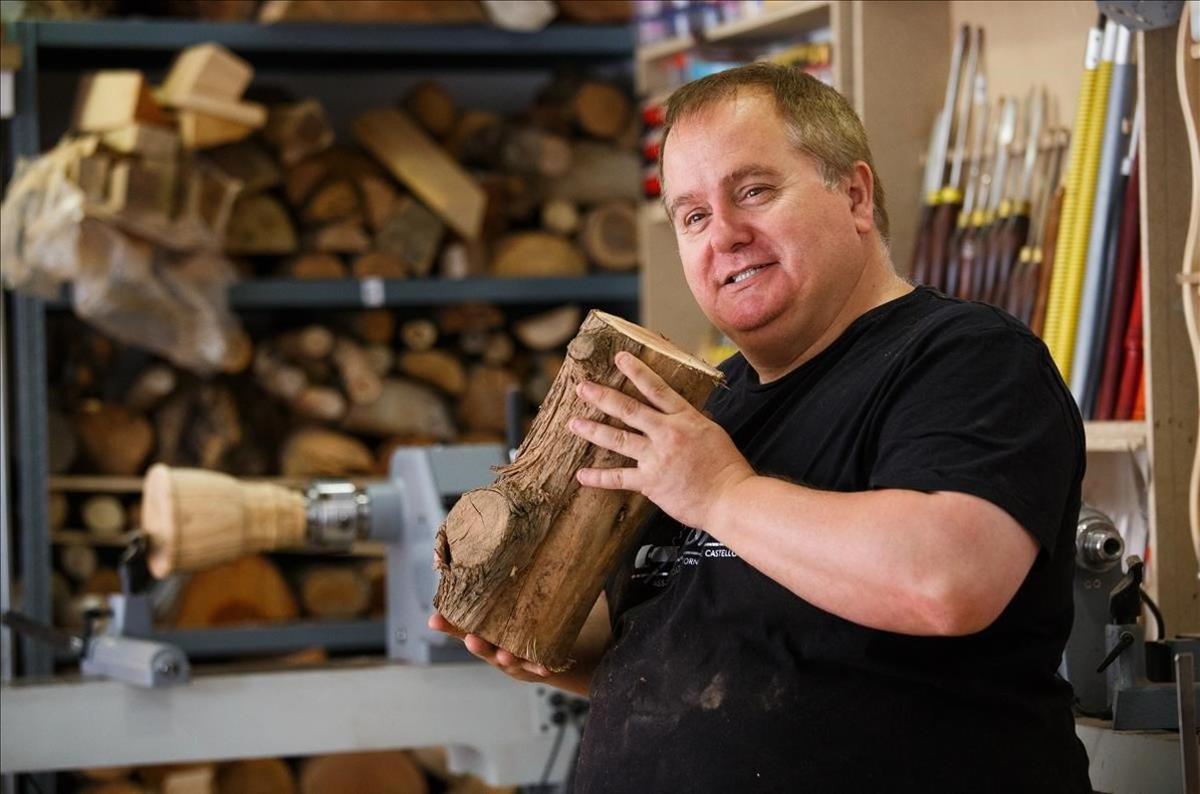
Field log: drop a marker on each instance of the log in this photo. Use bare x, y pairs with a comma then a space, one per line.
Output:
477, 138
473, 343
523, 561
599, 172
463, 259
389, 11
378, 200
316, 265
169, 423
276, 377
499, 349
361, 383
332, 201
341, 237
323, 403
215, 428
247, 590
301, 179
247, 163
529, 150
333, 591
77, 561
113, 787
522, 16
380, 264
239, 352
435, 367
411, 233
151, 386
597, 12
560, 217
424, 167
404, 408
117, 440
311, 341
199, 130
418, 335
207, 70
256, 776
298, 130
482, 406
602, 110
103, 515
381, 359
143, 140
374, 326
104, 774
536, 255
113, 99
375, 572
471, 316
431, 106
390, 772
209, 199
609, 236
258, 225
318, 452
57, 510
156, 776
193, 780
548, 330
105, 581
143, 187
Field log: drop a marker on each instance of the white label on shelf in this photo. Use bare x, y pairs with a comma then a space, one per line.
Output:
371, 290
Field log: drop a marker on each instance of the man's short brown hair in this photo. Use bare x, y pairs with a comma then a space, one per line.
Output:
820, 121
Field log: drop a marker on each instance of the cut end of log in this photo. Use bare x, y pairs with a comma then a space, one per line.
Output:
656, 342
483, 519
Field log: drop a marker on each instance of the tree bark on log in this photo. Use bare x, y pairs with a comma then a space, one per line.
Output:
523, 560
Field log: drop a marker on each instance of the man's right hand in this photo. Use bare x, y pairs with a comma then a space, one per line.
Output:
502, 660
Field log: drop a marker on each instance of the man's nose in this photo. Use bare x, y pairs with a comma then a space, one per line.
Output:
728, 231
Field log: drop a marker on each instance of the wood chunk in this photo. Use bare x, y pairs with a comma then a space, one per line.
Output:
470, 316
192, 780
499, 349
259, 224
200, 130
333, 591
380, 264
414, 159
117, 440
215, 426
609, 236
532, 151
419, 334
318, 452
602, 110
360, 381
404, 408
435, 367
317, 265
143, 187
112, 99
473, 343
277, 378
331, 201
482, 406
523, 571
103, 515
390, 772
150, 387
536, 254
298, 130
144, 140
323, 403
412, 233
78, 561
378, 200
302, 179
431, 106
209, 198
477, 138
375, 326
311, 341
249, 164
341, 237
256, 776
381, 359
463, 259
599, 172
239, 352
560, 216
57, 510
92, 175
247, 590
207, 70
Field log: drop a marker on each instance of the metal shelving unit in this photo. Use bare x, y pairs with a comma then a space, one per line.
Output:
75, 46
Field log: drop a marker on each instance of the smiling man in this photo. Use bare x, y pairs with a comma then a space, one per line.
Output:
859, 577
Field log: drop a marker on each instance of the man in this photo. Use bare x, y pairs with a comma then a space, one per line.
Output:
860, 577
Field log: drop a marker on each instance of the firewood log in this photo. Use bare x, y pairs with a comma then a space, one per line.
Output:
499, 349
380, 264
104, 581
536, 254
378, 200
57, 510
472, 343
169, 423
298, 131
381, 359
157, 777
319, 452
316, 265
482, 404
360, 381
257, 775
341, 237
215, 427
117, 440
112, 99
436, 367
601, 109
113, 787
431, 106
470, 316
103, 515
277, 377
404, 408
390, 772
198, 130
523, 560
61, 446
522, 16
412, 233
105, 774
548, 330
332, 201
78, 561
151, 386
239, 352
311, 341
196, 780
599, 172
247, 590
143, 187
609, 236
386, 11
333, 591
463, 259
247, 163
259, 225
143, 140
374, 326
560, 217
302, 178
477, 138
419, 334
533, 151
207, 70
323, 403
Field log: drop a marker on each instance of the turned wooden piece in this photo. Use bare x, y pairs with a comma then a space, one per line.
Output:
523, 560
196, 519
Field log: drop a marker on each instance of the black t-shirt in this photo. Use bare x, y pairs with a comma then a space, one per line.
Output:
721, 680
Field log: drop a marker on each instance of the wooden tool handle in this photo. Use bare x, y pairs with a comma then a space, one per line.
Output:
196, 518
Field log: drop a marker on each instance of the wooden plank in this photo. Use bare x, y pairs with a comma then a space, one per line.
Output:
1171, 402
413, 158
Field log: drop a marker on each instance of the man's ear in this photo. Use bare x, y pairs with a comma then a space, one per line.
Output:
860, 189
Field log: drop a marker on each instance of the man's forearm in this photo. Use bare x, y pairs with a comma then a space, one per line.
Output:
897, 560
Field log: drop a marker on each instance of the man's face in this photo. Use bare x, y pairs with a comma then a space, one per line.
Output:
770, 254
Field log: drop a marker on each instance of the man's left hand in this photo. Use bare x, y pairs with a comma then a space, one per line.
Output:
685, 461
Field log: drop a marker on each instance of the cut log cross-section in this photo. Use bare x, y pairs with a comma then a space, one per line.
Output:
523, 560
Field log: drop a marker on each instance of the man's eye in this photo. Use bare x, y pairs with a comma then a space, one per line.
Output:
757, 190
692, 217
